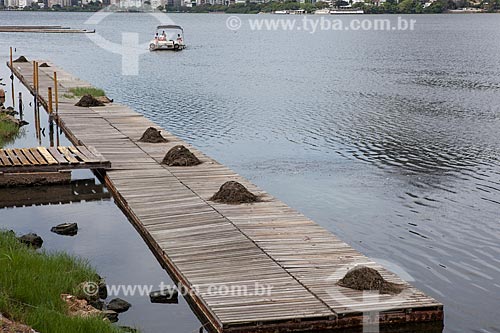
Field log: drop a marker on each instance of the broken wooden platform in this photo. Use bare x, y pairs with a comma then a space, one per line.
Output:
203, 244
51, 159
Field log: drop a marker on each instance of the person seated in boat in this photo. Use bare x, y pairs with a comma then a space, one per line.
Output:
156, 36
163, 36
179, 38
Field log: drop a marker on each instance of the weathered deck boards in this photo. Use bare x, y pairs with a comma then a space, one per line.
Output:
203, 243
42, 159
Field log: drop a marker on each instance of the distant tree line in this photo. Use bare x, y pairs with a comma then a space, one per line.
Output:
388, 7
416, 7
369, 7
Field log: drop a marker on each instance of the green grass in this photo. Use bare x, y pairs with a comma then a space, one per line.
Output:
8, 130
31, 283
80, 91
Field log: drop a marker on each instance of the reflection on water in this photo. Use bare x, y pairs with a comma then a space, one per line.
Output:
114, 248
77, 191
388, 139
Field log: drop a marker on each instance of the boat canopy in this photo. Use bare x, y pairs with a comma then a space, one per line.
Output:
169, 27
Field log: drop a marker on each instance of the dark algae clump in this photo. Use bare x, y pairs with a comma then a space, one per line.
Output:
21, 59
232, 192
180, 156
366, 278
88, 101
152, 135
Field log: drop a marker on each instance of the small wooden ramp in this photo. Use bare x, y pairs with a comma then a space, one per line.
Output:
48, 159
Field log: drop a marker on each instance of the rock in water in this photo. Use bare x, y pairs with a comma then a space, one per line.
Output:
152, 135
232, 192
99, 305
21, 59
118, 305
65, 229
180, 156
88, 101
111, 315
103, 290
32, 240
44, 65
366, 278
169, 295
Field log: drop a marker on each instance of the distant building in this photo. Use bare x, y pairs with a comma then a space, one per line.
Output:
130, 3
11, 3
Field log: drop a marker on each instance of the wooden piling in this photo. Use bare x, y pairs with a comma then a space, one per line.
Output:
13, 94
50, 100
21, 105
11, 61
37, 79
34, 75
56, 93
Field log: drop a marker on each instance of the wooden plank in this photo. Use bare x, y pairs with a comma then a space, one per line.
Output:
12, 156
29, 156
88, 154
55, 155
67, 154
21, 156
79, 154
4, 158
95, 153
36, 154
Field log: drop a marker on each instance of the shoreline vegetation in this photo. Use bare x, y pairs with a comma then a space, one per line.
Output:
369, 7
82, 91
9, 129
32, 286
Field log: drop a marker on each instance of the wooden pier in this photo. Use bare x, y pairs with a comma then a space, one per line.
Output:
203, 244
48, 29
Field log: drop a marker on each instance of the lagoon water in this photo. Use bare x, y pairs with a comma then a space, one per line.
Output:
388, 139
